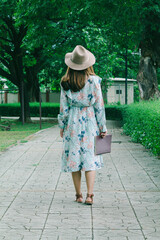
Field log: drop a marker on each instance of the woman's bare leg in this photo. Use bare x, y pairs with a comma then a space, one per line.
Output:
76, 176
90, 178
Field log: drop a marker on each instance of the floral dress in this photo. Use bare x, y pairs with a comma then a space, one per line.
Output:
82, 116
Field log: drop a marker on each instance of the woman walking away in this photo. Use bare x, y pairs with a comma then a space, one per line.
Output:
81, 118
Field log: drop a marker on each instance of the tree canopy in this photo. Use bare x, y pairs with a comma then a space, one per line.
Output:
36, 34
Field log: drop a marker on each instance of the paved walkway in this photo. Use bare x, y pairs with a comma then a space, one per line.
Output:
37, 201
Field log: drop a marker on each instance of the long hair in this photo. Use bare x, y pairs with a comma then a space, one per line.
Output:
76, 79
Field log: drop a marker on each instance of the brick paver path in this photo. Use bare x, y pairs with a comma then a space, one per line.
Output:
37, 201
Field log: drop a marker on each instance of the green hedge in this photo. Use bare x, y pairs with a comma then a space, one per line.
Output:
13, 109
114, 112
48, 109
142, 122
52, 110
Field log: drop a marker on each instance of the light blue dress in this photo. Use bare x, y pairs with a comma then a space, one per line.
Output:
82, 116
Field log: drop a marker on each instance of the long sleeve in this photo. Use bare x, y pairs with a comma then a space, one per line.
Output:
64, 110
99, 107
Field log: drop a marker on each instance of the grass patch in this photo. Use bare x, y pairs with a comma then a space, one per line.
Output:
19, 132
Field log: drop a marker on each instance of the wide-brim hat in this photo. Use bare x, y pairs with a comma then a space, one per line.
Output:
80, 58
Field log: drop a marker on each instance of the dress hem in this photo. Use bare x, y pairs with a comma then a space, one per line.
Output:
85, 170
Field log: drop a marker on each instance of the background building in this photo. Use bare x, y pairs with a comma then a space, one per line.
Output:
114, 94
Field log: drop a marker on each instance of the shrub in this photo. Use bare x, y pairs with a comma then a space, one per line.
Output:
48, 109
114, 112
142, 123
13, 109
10, 109
136, 93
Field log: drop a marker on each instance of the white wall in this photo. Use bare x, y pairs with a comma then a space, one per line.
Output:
12, 97
113, 97
53, 97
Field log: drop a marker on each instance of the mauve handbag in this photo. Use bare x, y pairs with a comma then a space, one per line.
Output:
103, 145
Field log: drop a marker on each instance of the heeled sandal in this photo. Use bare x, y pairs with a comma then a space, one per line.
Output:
79, 198
89, 202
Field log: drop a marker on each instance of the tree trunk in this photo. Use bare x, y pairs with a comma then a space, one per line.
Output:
24, 100
147, 79
33, 83
147, 75
23, 89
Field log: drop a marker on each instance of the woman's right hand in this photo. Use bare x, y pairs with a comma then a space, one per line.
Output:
103, 134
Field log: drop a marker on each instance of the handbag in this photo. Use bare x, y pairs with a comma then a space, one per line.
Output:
102, 145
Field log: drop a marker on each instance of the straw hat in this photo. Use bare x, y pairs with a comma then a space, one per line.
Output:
80, 58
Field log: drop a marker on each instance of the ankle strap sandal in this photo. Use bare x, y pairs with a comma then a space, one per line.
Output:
79, 198
89, 199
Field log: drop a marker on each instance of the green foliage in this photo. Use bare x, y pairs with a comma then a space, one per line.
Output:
150, 18
59, 29
136, 93
48, 109
158, 75
116, 62
13, 109
114, 112
142, 123
53, 28
48, 29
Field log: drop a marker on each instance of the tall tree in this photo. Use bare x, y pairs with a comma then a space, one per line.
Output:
133, 24
11, 51
56, 26
150, 49
25, 43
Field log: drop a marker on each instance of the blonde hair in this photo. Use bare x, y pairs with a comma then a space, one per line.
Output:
76, 79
